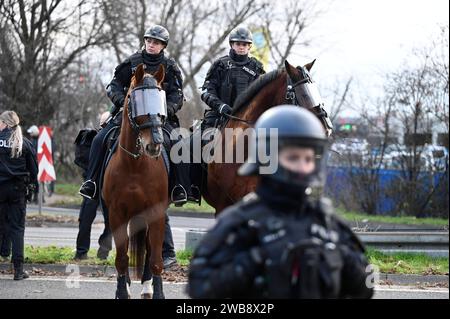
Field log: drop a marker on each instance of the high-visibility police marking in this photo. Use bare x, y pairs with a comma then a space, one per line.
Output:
4, 143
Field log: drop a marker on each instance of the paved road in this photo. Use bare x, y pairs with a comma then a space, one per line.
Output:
63, 288
66, 236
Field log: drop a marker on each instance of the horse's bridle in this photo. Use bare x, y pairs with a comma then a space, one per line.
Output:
292, 94
291, 97
153, 123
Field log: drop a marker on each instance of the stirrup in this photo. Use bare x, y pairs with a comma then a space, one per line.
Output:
86, 195
195, 190
179, 202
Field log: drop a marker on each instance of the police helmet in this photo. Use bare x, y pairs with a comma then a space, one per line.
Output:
157, 32
241, 34
295, 126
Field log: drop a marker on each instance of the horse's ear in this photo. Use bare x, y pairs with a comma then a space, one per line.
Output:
139, 74
160, 74
309, 66
290, 69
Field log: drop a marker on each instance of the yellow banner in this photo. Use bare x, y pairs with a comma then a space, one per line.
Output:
261, 45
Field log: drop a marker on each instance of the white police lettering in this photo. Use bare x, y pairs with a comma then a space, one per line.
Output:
249, 71
193, 309
5, 143
323, 233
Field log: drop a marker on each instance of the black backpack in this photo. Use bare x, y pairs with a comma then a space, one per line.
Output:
83, 144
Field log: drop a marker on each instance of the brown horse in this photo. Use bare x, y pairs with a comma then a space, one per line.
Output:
135, 188
224, 186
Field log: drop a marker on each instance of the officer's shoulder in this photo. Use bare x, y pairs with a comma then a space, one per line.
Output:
222, 61
241, 208
326, 207
127, 62
257, 62
27, 144
170, 61
135, 55
172, 64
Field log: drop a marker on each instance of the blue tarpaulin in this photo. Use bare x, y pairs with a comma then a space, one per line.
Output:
340, 188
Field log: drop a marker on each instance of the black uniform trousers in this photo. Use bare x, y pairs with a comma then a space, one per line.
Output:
88, 212
5, 242
13, 207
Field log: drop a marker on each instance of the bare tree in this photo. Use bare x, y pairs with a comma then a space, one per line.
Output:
287, 27
410, 109
42, 40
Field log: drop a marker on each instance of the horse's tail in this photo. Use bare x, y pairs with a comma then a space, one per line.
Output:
138, 239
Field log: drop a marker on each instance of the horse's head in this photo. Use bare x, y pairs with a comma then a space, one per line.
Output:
303, 91
146, 109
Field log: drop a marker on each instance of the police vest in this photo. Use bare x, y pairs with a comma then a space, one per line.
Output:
237, 77
303, 259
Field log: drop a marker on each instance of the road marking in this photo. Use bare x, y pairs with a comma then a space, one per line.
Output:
112, 280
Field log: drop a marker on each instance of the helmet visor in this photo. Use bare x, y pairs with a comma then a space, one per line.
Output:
308, 95
148, 101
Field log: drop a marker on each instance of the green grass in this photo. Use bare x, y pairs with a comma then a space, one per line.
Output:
184, 257
64, 255
405, 220
406, 263
399, 263
193, 207
67, 189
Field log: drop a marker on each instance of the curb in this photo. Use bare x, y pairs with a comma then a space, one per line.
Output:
365, 226
110, 271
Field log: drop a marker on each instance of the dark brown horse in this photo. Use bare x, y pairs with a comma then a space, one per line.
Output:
136, 186
224, 186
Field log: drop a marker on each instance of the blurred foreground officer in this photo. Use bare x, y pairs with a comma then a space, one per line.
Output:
18, 166
278, 242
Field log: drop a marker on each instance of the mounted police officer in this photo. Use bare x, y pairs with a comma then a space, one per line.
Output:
156, 39
278, 242
18, 168
152, 56
229, 76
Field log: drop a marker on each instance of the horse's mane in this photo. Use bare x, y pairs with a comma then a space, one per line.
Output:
246, 96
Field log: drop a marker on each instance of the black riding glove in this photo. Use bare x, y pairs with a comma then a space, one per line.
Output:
171, 110
225, 109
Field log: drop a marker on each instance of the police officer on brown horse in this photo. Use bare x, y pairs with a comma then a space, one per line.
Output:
152, 56
156, 39
229, 76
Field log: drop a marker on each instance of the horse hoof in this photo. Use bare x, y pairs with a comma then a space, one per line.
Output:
146, 296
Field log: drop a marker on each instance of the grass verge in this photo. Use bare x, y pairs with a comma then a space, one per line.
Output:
403, 220
406, 263
399, 263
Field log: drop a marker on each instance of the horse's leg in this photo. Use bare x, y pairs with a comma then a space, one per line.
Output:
147, 290
121, 240
156, 233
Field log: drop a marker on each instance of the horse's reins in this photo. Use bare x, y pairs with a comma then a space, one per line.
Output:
290, 96
235, 118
